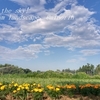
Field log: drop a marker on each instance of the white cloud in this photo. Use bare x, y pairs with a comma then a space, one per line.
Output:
83, 32
62, 5
90, 52
29, 2
48, 24
44, 25
26, 52
55, 40
12, 34
70, 42
80, 28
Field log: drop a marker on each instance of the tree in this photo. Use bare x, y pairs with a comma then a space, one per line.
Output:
88, 69
27, 70
97, 70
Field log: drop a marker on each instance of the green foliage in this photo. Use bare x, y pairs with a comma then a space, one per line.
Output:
96, 77
97, 70
11, 69
81, 75
37, 91
84, 72
88, 69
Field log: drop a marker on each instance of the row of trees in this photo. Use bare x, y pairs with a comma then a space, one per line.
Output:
12, 69
88, 69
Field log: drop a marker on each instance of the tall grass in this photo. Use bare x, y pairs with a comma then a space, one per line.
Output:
44, 81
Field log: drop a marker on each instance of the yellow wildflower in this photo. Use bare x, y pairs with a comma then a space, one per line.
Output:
14, 91
18, 89
15, 84
57, 89
40, 90
2, 87
27, 88
35, 89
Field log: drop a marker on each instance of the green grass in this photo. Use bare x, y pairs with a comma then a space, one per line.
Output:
46, 81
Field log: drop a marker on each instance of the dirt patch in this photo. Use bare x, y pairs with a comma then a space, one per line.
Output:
75, 97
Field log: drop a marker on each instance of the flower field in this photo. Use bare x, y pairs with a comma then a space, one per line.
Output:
36, 91
14, 87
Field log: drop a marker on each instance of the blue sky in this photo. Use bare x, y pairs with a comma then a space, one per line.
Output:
49, 34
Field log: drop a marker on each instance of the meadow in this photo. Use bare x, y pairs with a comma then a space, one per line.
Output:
46, 81
22, 87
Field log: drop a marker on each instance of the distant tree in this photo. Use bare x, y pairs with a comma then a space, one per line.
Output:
97, 69
11, 69
27, 70
88, 69
68, 70
58, 70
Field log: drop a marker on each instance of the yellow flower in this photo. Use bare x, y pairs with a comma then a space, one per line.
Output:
35, 89
40, 90
34, 84
26, 84
15, 84
14, 91
50, 87
22, 87
18, 89
57, 89
27, 88
2, 87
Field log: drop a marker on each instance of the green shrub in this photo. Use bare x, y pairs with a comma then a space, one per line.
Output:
81, 75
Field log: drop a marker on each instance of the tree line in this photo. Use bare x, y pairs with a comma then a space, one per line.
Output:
12, 69
89, 69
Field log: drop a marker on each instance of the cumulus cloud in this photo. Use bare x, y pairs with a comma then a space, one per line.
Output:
25, 52
70, 42
79, 27
83, 32
10, 33
55, 23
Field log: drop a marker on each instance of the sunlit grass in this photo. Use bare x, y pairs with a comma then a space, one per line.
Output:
45, 81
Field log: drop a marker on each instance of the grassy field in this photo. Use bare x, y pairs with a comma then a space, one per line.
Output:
46, 81
24, 88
